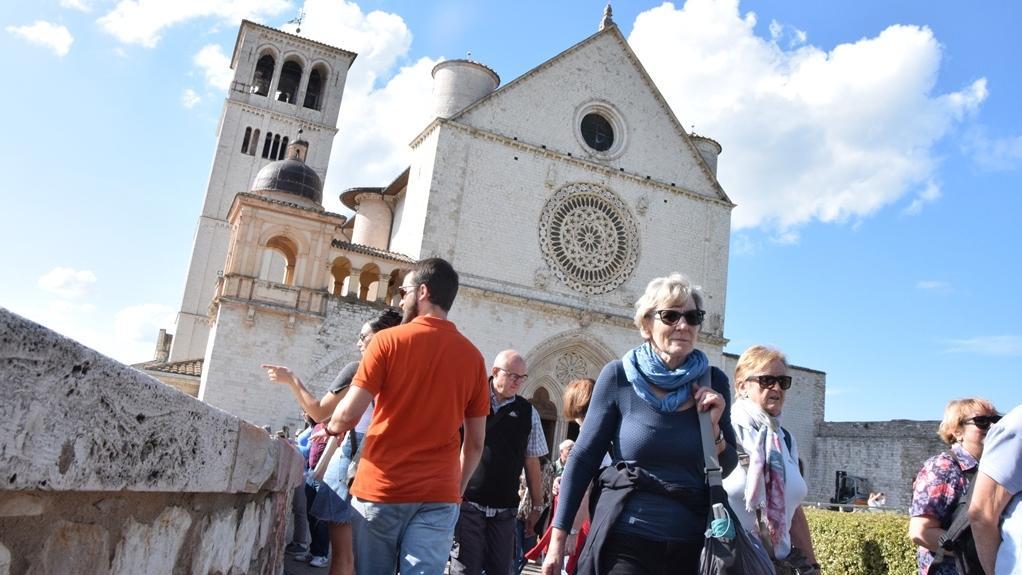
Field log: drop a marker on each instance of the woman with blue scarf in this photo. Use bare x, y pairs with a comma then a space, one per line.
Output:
653, 503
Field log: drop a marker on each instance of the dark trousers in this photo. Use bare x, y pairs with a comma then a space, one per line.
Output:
522, 544
319, 530
483, 543
632, 555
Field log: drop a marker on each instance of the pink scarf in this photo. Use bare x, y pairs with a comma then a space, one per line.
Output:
764, 484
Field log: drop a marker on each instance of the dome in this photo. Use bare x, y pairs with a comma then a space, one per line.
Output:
292, 177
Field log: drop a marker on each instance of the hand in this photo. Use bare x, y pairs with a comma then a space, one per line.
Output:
555, 489
320, 433
279, 374
570, 543
707, 399
553, 561
530, 523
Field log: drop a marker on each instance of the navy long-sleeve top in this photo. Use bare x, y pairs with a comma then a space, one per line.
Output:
668, 446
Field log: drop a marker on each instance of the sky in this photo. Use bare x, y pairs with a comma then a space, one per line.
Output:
873, 150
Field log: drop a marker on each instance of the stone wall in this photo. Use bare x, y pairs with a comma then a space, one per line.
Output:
888, 454
107, 470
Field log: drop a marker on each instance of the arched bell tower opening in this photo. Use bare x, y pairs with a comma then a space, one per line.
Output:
552, 364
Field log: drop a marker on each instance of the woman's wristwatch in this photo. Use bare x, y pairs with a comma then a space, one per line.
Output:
720, 438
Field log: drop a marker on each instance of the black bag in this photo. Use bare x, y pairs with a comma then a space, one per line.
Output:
743, 555
957, 537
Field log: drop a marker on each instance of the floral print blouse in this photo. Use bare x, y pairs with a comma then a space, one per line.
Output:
936, 489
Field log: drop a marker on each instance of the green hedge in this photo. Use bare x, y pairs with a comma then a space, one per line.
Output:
862, 543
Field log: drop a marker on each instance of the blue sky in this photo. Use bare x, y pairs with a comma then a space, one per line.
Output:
873, 149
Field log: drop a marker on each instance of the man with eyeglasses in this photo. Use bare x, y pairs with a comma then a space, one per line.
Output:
995, 511
514, 438
429, 382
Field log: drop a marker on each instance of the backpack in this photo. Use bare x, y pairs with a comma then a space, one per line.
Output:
957, 536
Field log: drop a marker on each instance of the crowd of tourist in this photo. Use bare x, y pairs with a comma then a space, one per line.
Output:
442, 465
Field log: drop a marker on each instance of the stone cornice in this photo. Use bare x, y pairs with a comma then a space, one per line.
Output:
287, 37
283, 118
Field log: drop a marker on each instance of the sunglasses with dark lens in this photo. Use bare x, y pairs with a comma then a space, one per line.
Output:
673, 316
403, 290
768, 381
983, 421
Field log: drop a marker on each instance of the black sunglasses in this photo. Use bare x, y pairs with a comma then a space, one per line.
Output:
768, 381
672, 316
982, 421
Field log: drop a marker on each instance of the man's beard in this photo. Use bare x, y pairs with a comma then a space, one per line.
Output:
411, 311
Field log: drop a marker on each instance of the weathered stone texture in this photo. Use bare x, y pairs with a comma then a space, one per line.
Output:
74, 549
152, 549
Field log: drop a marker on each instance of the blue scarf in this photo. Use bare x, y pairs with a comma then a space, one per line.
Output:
644, 369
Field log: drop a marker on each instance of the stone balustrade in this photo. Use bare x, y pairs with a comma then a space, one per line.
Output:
106, 470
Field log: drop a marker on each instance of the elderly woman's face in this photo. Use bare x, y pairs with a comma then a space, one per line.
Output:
771, 399
672, 342
972, 435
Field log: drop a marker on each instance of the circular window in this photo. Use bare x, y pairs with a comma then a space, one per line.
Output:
597, 132
588, 238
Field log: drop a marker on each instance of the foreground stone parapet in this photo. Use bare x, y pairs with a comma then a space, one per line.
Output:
104, 469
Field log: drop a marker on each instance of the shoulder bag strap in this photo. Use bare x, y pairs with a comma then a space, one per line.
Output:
714, 477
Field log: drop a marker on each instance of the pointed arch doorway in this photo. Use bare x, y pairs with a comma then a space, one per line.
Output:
552, 364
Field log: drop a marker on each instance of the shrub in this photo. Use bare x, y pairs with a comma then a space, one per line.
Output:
862, 543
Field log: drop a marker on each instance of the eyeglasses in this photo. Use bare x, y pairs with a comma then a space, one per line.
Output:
403, 290
672, 316
364, 337
514, 376
768, 381
982, 421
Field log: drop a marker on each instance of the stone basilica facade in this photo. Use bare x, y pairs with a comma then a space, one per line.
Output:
557, 197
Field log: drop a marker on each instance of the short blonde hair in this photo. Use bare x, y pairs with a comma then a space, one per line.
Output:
957, 411
577, 395
755, 359
673, 289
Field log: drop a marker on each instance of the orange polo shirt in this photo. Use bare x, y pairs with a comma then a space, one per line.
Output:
427, 378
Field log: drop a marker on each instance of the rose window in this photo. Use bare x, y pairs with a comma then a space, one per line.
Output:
588, 238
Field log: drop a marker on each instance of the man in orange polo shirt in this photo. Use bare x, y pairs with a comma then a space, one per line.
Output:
428, 381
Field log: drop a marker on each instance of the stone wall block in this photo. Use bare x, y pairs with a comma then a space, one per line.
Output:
74, 549
152, 549
289, 471
21, 505
245, 539
218, 534
5, 560
265, 522
73, 419
255, 460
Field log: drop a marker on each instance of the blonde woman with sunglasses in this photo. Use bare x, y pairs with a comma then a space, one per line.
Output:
945, 478
766, 490
652, 500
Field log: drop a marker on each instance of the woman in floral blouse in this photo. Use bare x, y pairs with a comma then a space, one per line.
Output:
945, 477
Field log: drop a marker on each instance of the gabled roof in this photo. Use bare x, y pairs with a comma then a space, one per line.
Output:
615, 33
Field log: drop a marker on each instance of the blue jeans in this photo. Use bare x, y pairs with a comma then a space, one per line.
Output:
522, 544
413, 538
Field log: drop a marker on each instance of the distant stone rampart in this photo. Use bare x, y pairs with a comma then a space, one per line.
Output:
103, 469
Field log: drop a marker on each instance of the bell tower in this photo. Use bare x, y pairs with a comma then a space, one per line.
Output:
282, 84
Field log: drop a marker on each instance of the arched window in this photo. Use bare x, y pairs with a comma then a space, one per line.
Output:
279, 260
254, 144
245, 140
263, 75
314, 91
369, 282
276, 147
339, 272
396, 277
266, 144
283, 149
290, 78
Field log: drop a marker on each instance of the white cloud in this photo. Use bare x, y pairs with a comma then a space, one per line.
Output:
80, 5
67, 283
933, 285
995, 154
215, 66
143, 21
136, 327
992, 345
808, 134
929, 194
52, 36
189, 98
